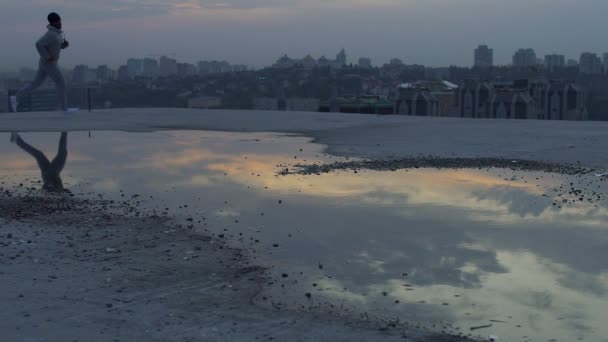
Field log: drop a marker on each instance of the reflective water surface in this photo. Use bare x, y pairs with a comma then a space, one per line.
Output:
523, 255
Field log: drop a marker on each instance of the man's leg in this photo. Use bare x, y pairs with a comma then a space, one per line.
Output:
62, 154
55, 74
41, 159
40, 77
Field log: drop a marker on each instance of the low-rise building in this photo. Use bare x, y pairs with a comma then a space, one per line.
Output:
302, 105
205, 102
266, 103
368, 104
523, 99
426, 98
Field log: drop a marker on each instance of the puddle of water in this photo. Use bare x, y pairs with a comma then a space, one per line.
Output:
519, 251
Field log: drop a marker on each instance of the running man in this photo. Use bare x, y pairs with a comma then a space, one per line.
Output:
50, 170
49, 47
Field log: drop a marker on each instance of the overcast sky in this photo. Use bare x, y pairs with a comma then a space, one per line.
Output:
256, 32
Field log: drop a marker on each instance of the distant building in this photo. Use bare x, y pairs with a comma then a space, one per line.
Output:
3, 102
590, 64
605, 62
186, 69
323, 62
40, 100
123, 73
341, 60
484, 57
308, 62
266, 103
418, 102
559, 100
367, 104
79, 74
524, 58
426, 98
205, 102
284, 63
524, 99
217, 67
555, 61
396, 62
572, 62
167, 66
91, 76
365, 63
302, 105
239, 68
150, 67
204, 67
135, 67
102, 73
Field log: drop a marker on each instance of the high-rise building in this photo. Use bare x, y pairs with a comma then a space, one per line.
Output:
524, 58
150, 67
590, 63
484, 57
168, 66
341, 59
186, 69
102, 73
79, 74
555, 61
123, 73
572, 62
365, 63
220, 67
135, 67
605, 62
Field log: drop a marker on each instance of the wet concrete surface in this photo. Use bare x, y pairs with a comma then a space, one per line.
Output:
451, 248
75, 270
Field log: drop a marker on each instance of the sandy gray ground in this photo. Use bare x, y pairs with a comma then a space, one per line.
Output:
81, 270
359, 135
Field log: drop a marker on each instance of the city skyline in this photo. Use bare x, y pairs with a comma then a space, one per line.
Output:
256, 32
541, 59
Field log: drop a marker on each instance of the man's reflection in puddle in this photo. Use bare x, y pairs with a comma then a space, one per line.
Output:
50, 170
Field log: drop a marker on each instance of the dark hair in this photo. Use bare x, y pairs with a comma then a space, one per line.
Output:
53, 17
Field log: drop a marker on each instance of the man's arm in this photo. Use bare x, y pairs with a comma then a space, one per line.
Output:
65, 44
41, 45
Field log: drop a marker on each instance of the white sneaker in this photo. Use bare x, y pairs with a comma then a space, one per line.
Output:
70, 110
14, 137
14, 104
